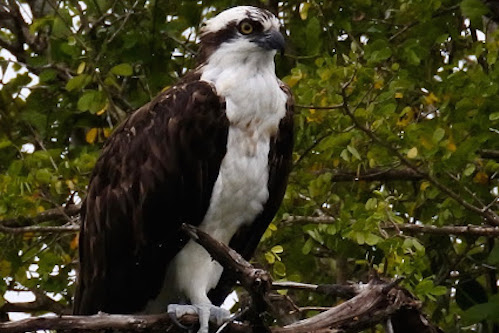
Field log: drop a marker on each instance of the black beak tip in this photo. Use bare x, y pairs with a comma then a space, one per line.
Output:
277, 41
272, 40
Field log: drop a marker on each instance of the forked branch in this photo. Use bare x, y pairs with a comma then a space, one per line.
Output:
375, 302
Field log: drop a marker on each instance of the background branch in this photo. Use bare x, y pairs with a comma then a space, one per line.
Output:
55, 214
488, 231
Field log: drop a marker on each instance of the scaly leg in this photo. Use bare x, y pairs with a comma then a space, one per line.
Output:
205, 312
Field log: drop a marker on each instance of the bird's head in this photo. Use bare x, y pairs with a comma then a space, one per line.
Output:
241, 31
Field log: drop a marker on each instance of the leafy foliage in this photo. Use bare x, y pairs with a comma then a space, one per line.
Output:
404, 91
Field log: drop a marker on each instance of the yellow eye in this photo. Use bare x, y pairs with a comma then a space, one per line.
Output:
246, 28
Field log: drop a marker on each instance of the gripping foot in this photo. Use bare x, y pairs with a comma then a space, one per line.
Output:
205, 312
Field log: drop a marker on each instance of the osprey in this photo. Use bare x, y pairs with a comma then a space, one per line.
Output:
213, 151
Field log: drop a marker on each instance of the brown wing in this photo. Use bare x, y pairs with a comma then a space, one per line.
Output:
156, 172
247, 238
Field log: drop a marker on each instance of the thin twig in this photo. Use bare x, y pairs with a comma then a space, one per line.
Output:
54, 214
316, 107
292, 219
67, 228
488, 231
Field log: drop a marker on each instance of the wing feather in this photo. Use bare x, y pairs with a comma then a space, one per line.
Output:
156, 171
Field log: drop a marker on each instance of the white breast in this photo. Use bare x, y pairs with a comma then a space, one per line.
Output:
255, 107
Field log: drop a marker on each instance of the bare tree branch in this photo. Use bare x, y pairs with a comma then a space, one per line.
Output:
308, 219
489, 154
373, 303
375, 175
95, 322
316, 107
55, 214
488, 231
67, 228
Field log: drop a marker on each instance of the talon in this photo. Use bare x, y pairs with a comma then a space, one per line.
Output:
174, 316
205, 312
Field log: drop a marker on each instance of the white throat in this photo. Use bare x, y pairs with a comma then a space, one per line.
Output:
245, 76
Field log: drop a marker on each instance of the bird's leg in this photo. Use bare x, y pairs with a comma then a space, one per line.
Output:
206, 313
204, 317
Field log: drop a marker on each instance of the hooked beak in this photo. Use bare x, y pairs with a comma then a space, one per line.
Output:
271, 40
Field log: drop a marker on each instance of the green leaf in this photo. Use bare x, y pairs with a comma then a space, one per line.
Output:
360, 238
36, 119
378, 50
279, 269
277, 249
307, 247
92, 101
372, 204
480, 312
47, 75
442, 38
43, 176
331, 229
3, 210
269, 257
5, 267
378, 56
412, 57
387, 109
122, 70
412, 153
469, 170
5, 144
417, 245
60, 28
39, 23
78, 82
438, 135
494, 116
344, 155
439, 291
372, 239
354, 152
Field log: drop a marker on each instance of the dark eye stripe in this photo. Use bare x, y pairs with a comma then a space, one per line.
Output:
257, 26
210, 41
